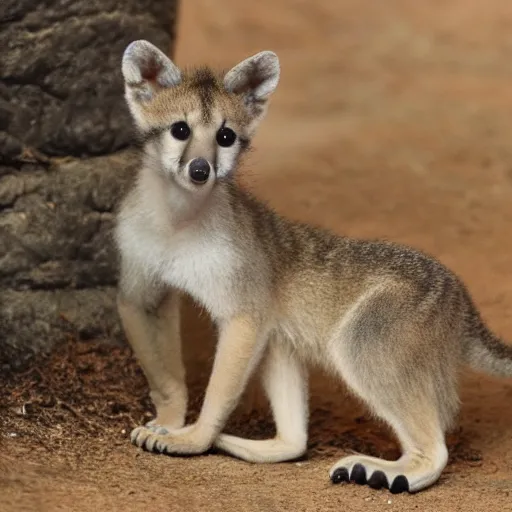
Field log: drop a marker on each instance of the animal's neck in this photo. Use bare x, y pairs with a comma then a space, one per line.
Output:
173, 208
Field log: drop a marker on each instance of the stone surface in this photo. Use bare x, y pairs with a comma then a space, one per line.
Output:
64, 164
60, 74
58, 266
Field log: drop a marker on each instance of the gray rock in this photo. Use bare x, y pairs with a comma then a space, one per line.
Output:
32, 322
60, 70
64, 164
58, 264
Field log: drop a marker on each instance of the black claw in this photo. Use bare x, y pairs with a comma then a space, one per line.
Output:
358, 474
340, 475
400, 484
378, 480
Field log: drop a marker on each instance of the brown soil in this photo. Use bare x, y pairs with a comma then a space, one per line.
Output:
393, 119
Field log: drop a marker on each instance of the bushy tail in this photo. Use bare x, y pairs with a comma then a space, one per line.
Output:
484, 350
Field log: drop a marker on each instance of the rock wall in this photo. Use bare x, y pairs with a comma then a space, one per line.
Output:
65, 162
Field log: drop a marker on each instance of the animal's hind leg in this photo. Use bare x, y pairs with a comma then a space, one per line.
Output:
400, 361
424, 454
285, 382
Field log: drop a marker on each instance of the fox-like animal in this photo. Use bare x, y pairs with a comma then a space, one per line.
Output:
392, 322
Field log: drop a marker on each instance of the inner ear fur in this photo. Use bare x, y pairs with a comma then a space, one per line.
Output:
147, 69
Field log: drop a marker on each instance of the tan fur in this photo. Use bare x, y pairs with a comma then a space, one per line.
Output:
171, 103
394, 323
155, 339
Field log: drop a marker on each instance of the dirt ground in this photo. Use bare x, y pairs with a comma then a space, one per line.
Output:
393, 120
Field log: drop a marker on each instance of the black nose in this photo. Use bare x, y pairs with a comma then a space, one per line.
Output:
199, 170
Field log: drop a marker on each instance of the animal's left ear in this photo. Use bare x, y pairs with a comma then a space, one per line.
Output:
146, 71
255, 79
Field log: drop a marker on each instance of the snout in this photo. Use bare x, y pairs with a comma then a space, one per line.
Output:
199, 170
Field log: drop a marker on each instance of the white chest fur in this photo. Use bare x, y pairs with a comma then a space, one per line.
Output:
197, 260
203, 264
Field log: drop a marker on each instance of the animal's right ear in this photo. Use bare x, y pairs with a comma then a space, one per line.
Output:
255, 79
146, 70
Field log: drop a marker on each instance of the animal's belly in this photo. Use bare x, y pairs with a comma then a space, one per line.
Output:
305, 335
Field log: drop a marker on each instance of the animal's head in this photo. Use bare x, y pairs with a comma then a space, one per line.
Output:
196, 124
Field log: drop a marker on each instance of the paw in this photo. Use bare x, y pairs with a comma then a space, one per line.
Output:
184, 441
369, 471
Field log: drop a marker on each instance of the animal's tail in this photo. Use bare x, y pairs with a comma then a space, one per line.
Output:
484, 350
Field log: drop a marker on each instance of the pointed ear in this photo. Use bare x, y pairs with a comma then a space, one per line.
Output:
146, 70
255, 78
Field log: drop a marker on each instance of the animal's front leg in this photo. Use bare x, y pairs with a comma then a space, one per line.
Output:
156, 341
239, 349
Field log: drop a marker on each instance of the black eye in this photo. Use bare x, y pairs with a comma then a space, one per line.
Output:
180, 130
226, 137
